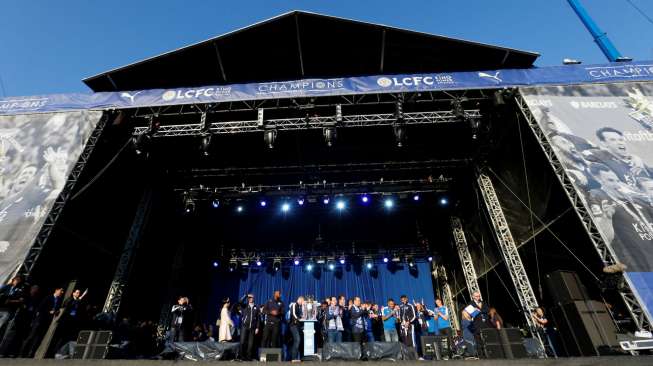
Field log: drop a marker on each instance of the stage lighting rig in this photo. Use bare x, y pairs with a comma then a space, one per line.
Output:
233, 265
276, 265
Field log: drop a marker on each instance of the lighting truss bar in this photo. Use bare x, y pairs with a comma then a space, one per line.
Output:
361, 120
441, 274
527, 299
605, 252
416, 251
465, 257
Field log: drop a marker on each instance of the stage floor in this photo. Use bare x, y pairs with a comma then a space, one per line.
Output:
581, 361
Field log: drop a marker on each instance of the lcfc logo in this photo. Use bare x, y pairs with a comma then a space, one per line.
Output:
169, 95
384, 82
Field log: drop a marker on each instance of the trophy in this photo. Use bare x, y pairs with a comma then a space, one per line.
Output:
309, 309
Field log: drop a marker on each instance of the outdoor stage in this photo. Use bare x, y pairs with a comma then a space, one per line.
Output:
585, 361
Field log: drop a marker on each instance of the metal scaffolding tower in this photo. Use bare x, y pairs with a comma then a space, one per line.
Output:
465, 257
440, 273
510, 253
123, 270
605, 252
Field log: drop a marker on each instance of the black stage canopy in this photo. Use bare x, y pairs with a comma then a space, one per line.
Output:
299, 45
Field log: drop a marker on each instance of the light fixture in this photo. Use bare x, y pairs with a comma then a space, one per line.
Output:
215, 203
270, 136
342, 260
410, 261
325, 200
216, 264
205, 144
296, 261
340, 205
276, 265
396, 258
385, 259
232, 265
368, 263
258, 262
189, 203
389, 203
365, 198
263, 203
430, 258
239, 209
285, 207
300, 201
399, 130
331, 264
330, 134
444, 201
309, 266
245, 263
416, 197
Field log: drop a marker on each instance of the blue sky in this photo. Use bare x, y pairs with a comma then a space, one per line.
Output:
49, 46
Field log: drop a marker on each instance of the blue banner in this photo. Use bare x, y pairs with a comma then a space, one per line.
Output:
556, 75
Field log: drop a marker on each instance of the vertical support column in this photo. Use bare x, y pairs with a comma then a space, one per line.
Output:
173, 288
123, 270
465, 257
604, 251
447, 297
513, 261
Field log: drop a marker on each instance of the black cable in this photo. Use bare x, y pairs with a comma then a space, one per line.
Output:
101, 171
650, 20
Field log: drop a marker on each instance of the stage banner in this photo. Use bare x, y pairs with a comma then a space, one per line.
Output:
482, 79
37, 153
603, 136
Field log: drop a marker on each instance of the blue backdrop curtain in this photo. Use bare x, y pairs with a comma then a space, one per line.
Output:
385, 281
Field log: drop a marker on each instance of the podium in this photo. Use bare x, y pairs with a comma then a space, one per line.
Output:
309, 337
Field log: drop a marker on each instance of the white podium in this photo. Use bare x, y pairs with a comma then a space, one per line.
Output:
309, 337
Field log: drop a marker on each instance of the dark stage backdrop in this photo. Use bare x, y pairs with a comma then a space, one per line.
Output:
389, 280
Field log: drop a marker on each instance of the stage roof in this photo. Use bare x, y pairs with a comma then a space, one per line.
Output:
300, 45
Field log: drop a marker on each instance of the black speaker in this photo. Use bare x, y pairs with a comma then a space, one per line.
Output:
435, 347
504, 343
270, 355
344, 351
585, 327
565, 286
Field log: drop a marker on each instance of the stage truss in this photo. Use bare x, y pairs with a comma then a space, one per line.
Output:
465, 257
527, 299
605, 252
440, 274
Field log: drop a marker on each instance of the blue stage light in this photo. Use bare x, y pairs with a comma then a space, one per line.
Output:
444, 201
258, 263
300, 201
332, 266
340, 205
263, 203
388, 203
342, 260
285, 207
430, 259
325, 200
216, 203
385, 259
296, 262
239, 209
416, 197
309, 267
365, 198
216, 264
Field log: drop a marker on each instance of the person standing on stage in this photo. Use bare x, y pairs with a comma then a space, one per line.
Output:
71, 318
346, 323
47, 310
357, 319
496, 321
407, 316
225, 323
273, 311
390, 317
334, 321
480, 316
441, 313
249, 322
296, 328
182, 321
369, 322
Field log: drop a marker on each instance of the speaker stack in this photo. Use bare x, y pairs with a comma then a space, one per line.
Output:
503, 343
585, 326
93, 345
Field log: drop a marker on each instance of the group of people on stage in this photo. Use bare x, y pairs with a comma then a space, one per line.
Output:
339, 319
26, 316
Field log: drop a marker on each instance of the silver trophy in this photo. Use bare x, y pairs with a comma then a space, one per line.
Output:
309, 309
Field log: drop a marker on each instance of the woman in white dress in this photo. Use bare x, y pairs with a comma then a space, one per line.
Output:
225, 323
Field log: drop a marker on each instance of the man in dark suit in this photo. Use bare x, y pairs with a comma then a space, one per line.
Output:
273, 311
182, 322
47, 310
71, 318
249, 325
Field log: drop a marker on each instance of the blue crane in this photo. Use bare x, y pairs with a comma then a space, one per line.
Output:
600, 37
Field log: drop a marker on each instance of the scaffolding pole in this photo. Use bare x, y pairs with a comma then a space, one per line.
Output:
465, 256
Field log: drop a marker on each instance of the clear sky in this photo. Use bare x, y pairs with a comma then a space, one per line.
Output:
49, 46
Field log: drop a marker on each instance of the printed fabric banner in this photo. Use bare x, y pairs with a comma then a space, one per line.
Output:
37, 153
603, 136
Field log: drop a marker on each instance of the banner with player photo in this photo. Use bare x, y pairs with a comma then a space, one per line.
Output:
37, 153
603, 136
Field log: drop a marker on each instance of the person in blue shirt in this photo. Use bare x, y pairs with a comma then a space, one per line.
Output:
389, 315
441, 313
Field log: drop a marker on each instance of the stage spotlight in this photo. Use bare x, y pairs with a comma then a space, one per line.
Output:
232, 265
396, 258
342, 260
340, 205
300, 201
368, 262
325, 200
309, 266
388, 203
205, 144
285, 207
400, 134
244, 263
331, 264
430, 258
330, 135
263, 203
321, 260
270, 136
142, 142
444, 201
216, 264
189, 204
239, 209
215, 203
410, 261
365, 198
296, 261
276, 265
416, 197
385, 259
258, 262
